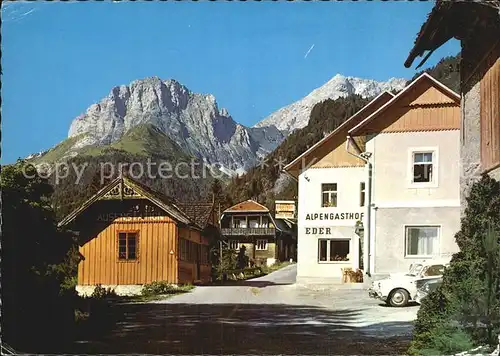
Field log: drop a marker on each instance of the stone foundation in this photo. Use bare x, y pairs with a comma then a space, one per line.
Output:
323, 283
122, 290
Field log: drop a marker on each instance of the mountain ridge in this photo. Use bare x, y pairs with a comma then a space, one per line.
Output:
296, 115
194, 121
266, 183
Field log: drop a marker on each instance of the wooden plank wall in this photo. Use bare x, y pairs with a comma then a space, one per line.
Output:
336, 157
490, 112
188, 269
154, 263
425, 118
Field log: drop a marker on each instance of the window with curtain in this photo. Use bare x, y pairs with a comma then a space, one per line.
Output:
422, 167
422, 240
261, 245
329, 195
253, 221
333, 250
240, 222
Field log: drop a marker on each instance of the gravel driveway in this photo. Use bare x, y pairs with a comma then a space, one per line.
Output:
266, 315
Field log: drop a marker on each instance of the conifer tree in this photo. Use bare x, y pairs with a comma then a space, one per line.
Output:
467, 305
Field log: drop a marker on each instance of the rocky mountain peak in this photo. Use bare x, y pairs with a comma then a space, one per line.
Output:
196, 124
192, 120
296, 115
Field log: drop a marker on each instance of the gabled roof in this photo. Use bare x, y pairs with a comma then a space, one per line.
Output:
352, 121
247, 206
199, 213
283, 225
454, 96
134, 189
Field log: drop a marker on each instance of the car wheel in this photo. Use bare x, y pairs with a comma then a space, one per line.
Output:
399, 298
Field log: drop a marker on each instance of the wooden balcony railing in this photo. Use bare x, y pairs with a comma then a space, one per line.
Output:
247, 231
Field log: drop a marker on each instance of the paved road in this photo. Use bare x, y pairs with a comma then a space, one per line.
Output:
267, 315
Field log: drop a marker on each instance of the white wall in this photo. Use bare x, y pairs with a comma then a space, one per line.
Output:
390, 242
348, 186
397, 202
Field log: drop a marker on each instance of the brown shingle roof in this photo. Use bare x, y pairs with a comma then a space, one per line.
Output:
248, 205
199, 213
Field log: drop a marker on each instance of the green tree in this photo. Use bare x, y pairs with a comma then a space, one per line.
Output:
467, 305
447, 71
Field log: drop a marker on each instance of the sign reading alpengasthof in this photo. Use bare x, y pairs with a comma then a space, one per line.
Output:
334, 216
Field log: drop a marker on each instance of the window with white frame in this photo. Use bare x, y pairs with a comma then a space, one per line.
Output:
234, 244
423, 165
261, 245
362, 194
422, 240
329, 195
333, 250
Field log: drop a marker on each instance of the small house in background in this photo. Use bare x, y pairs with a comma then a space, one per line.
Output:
265, 238
130, 235
477, 25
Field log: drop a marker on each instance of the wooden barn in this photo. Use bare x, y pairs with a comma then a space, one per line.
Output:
130, 235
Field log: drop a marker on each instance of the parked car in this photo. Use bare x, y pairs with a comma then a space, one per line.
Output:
426, 287
399, 289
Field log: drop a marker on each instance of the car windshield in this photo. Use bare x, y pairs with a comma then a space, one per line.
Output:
415, 269
434, 270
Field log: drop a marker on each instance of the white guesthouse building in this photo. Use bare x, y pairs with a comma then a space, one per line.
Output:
382, 190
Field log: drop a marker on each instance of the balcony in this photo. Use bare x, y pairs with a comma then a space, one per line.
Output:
248, 231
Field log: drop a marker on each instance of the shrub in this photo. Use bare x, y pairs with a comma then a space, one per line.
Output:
69, 283
447, 340
102, 293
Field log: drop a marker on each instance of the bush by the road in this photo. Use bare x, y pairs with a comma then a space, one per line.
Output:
162, 288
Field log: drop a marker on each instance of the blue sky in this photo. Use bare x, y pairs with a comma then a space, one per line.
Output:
59, 58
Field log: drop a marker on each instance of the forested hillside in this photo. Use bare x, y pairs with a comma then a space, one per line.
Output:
265, 182
142, 144
447, 71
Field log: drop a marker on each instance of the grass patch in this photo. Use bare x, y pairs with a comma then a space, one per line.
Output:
59, 151
142, 140
162, 288
249, 273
